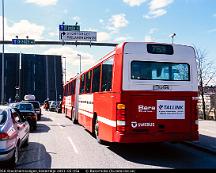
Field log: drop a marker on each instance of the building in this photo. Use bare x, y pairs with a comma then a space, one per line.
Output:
40, 75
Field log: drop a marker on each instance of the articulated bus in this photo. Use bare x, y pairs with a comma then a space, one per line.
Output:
140, 92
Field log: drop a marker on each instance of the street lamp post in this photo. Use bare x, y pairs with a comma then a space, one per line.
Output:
65, 68
172, 36
80, 62
2, 77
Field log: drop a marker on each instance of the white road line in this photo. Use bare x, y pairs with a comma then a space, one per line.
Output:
74, 147
59, 125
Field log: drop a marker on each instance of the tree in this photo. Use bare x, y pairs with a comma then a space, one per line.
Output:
206, 72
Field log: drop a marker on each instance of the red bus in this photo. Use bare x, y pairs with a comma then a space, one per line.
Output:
139, 92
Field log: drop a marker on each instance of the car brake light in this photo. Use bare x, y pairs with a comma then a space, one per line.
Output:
120, 117
4, 136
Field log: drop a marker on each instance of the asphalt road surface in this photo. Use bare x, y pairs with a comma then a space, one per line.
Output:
57, 143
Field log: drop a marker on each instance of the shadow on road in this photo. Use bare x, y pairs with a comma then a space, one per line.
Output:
41, 128
45, 118
163, 155
32, 157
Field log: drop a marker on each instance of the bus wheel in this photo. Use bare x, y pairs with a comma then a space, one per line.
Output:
73, 118
96, 130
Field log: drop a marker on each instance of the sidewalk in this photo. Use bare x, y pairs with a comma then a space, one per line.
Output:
207, 136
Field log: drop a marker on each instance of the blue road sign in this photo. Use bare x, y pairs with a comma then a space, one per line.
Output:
61, 27
69, 28
23, 41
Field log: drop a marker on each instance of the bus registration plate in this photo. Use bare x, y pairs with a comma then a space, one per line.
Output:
161, 87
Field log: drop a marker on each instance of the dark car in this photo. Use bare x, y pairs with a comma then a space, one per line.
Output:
36, 105
27, 111
14, 133
52, 106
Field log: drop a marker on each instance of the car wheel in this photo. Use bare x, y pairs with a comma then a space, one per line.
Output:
35, 126
26, 143
39, 117
15, 157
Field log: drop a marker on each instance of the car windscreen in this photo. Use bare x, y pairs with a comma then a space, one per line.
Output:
26, 107
35, 104
3, 116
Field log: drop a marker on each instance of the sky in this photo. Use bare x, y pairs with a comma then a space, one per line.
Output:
115, 21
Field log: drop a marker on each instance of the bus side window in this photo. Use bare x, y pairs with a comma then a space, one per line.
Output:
88, 81
107, 69
96, 79
82, 84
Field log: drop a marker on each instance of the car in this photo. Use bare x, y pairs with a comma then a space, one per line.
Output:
14, 134
52, 106
27, 111
36, 105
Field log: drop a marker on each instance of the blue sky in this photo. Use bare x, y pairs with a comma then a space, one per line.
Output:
193, 21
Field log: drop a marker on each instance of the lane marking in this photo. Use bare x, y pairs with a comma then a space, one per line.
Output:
74, 147
59, 125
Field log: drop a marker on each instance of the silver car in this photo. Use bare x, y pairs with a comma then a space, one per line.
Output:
14, 133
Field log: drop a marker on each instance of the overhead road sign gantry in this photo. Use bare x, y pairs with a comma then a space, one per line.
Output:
65, 43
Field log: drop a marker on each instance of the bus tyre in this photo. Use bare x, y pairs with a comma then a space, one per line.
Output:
73, 117
96, 130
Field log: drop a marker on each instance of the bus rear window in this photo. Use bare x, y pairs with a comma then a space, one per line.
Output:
148, 70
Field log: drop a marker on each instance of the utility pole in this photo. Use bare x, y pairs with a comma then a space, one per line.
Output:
80, 63
2, 76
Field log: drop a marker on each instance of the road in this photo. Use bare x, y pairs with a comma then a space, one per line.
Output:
58, 143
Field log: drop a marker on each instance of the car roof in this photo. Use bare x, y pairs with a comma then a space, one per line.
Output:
25, 103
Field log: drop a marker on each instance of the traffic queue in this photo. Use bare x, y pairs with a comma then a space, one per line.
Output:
17, 120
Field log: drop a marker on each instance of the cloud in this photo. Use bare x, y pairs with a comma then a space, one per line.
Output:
22, 29
212, 30
42, 2
103, 36
72, 60
117, 22
149, 37
157, 8
133, 3
122, 39
76, 18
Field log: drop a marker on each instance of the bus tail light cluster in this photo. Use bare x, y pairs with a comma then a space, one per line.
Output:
120, 120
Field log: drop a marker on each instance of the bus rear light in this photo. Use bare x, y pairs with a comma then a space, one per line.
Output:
121, 128
121, 112
120, 117
120, 106
4, 136
121, 123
